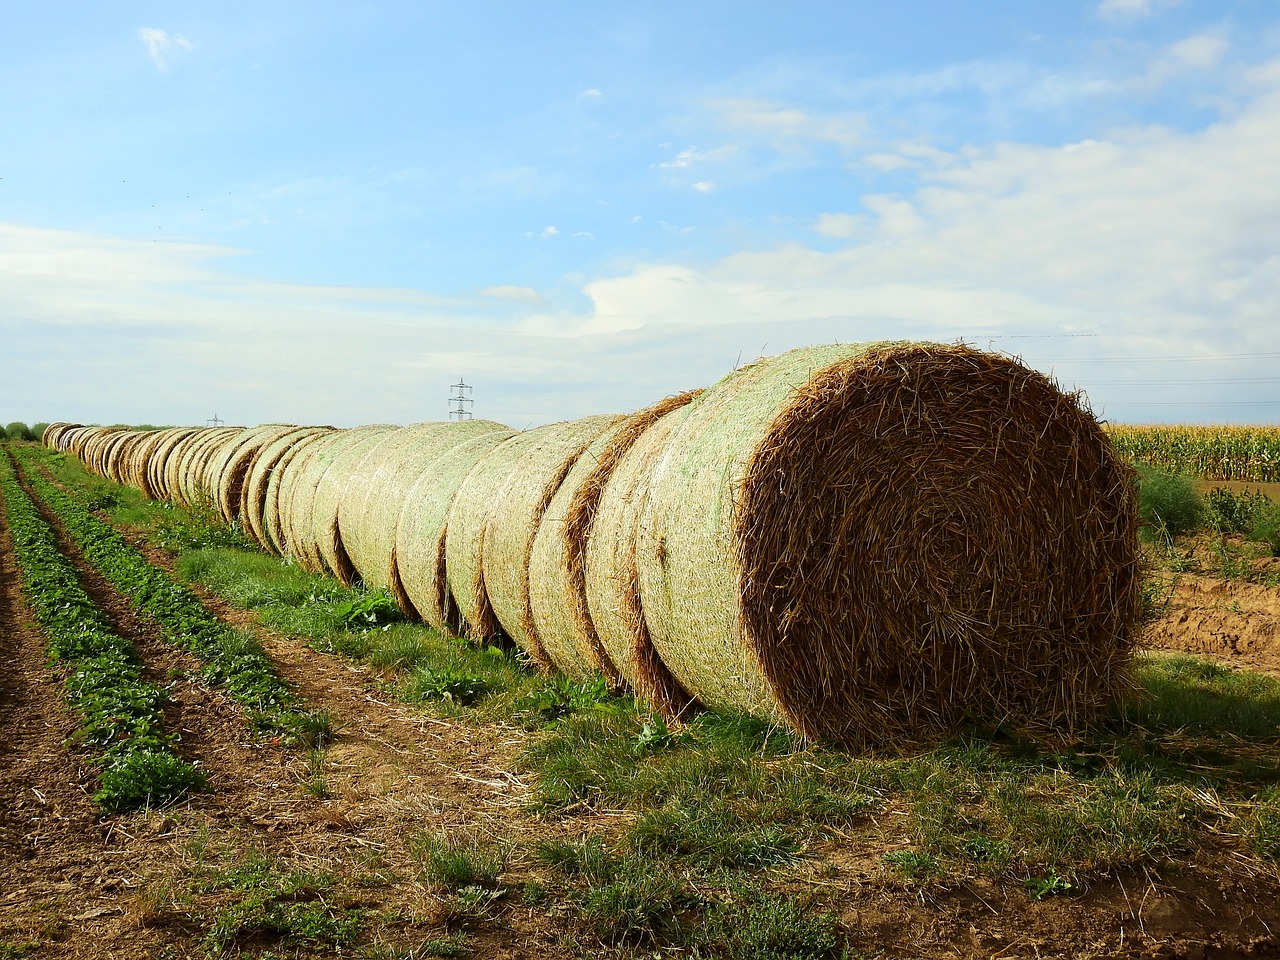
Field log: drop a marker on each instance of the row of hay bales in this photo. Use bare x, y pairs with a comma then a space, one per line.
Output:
865, 542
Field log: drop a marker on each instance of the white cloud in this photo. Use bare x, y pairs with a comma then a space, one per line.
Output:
691, 156
841, 226
704, 186
591, 94
162, 47
1113, 9
517, 293
786, 126
1150, 238
550, 231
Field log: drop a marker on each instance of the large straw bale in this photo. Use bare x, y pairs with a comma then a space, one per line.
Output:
375, 492
262, 493
55, 433
513, 510
557, 574
417, 565
175, 464
88, 448
139, 458
325, 535
81, 438
117, 459
227, 470
300, 483
192, 488
169, 446
890, 540
611, 580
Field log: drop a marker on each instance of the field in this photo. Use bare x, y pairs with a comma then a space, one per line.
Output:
412, 797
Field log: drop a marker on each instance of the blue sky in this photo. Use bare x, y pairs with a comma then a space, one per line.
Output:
329, 212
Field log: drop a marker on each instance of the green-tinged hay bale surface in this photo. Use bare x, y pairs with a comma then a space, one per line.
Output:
261, 506
611, 581
890, 541
374, 498
139, 456
168, 447
557, 574
417, 571
326, 539
192, 487
515, 511
298, 485
228, 469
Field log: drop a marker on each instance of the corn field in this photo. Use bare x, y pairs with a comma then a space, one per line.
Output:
1208, 452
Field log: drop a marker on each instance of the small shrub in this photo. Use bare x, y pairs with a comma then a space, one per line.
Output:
1168, 501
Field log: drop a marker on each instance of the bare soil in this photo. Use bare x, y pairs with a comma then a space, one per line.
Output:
76, 883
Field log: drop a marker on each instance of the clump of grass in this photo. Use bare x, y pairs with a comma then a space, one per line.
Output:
761, 923
455, 861
261, 897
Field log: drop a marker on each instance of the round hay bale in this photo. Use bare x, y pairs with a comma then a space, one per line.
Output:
326, 536
117, 459
192, 486
375, 493
170, 445
557, 573
891, 541
416, 574
55, 434
135, 469
543, 457
91, 450
262, 493
227, 470
611, 579
299, 485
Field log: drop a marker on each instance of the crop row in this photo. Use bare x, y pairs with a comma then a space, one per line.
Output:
233, 660
121, 713
1214, 453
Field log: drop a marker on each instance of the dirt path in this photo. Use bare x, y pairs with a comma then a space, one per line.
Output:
74, 880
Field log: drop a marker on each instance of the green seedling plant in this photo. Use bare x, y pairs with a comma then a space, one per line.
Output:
121, 714
233, 660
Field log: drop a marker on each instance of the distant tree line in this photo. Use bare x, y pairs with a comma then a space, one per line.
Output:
20, 431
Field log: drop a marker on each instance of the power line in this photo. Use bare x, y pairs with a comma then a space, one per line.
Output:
1225, 356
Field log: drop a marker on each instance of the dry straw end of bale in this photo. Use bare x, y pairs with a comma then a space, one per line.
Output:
889, 541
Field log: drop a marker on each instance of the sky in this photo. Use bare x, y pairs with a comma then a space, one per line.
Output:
331, 213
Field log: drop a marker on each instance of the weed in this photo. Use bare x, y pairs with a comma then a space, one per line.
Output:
559, 696
368, 610
1050, 885
1168, 501
449, 683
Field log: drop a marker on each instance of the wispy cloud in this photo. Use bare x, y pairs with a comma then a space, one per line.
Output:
517, 293
692, 156
1114, 9
786, 124
163, 47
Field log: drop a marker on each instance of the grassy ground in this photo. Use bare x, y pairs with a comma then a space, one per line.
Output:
730, 824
